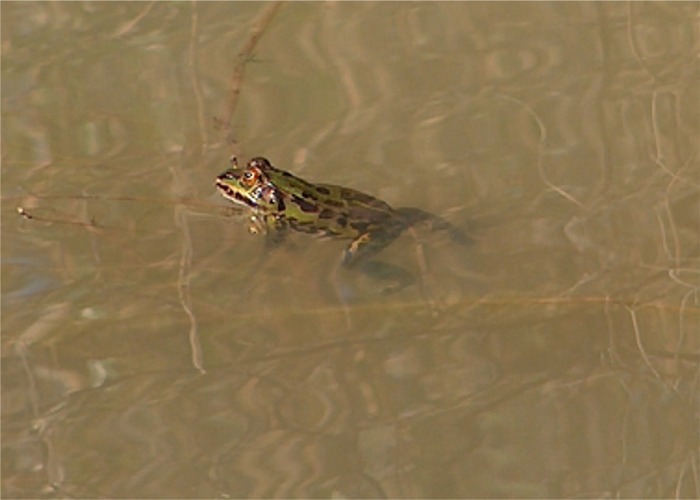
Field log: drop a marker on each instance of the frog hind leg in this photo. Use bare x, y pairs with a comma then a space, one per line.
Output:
357, 256
416, 215
370, 243
392, 277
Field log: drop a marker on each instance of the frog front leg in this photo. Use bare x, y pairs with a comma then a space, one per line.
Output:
275, 230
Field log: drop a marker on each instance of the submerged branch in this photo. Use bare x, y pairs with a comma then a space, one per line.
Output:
234, 89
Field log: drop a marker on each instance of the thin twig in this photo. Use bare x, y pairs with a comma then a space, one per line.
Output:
195, 81
640, 346
183, 287
234, 89
541, 146
92, 224
129, 25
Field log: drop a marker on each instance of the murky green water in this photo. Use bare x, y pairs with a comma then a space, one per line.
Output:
151, 348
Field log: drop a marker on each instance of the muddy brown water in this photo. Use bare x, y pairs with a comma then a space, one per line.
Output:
151, 347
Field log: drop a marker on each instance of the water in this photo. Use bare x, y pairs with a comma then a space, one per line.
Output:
151, 348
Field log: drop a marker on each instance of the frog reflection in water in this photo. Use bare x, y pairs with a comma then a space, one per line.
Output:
280, 200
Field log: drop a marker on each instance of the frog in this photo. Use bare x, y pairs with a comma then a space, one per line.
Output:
279, 200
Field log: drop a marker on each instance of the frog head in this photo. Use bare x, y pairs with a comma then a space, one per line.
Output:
250, 186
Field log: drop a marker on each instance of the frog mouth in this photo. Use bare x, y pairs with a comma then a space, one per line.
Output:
234, 195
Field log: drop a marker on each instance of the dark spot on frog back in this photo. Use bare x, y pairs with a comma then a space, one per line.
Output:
304, 205
360, 197
302, 226
334, 203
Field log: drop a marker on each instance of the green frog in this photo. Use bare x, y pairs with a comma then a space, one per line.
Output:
280, 200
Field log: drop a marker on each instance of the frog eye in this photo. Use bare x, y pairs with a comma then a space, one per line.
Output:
248, 175
259, 162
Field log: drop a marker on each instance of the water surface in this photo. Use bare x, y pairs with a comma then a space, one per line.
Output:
151, 348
